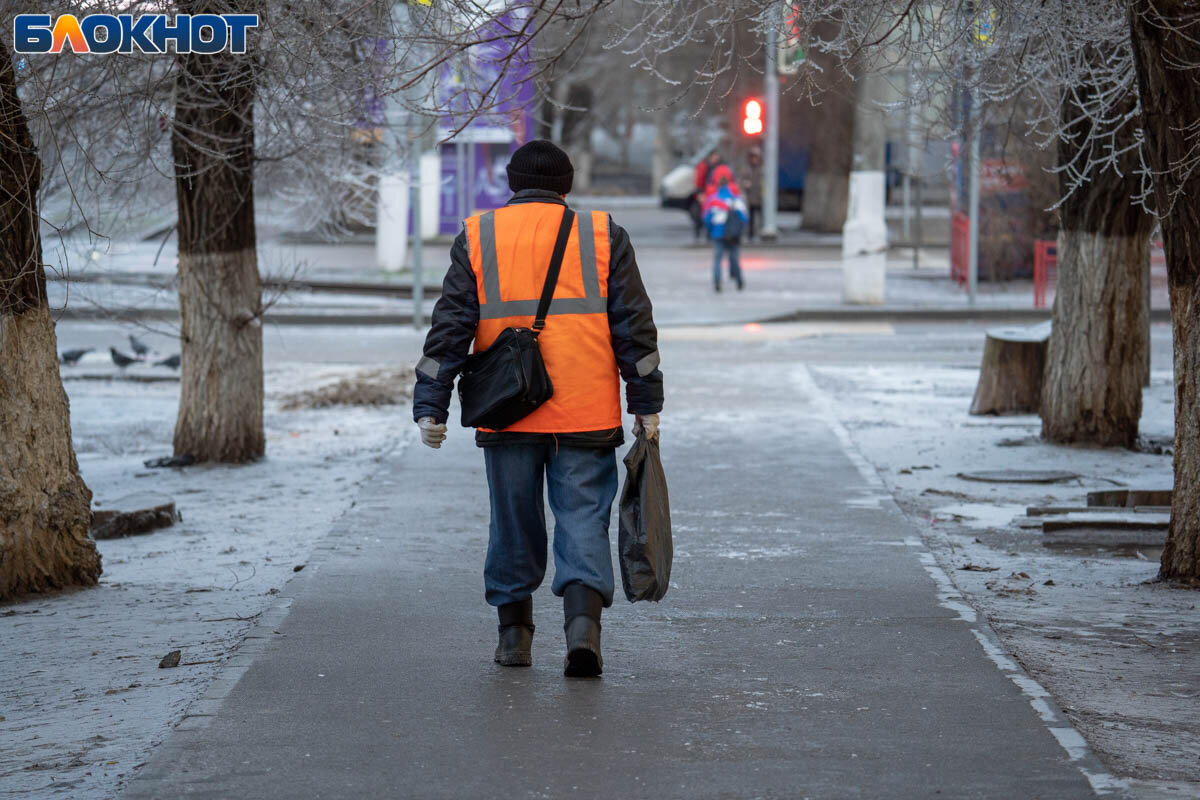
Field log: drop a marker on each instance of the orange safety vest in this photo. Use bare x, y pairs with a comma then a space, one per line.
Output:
510, 252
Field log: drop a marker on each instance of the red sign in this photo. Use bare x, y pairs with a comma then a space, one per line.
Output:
997, 176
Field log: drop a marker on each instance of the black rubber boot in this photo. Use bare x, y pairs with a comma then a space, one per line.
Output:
516, 634
581, 608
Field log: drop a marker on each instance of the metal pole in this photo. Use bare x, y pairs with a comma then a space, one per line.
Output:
973, 202
770, 179
909, 156
460, 177
907, 189
416, 148
470, 160
917, 233
418, 280
916, 173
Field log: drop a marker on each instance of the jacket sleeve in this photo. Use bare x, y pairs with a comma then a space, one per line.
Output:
743, 210
631, 322
455, 317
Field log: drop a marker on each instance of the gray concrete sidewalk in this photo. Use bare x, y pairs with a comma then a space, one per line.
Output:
803, 650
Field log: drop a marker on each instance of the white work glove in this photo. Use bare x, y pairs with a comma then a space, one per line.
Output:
646, 423
432, 433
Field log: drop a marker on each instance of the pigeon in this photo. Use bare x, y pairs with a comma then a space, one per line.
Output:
71, 357
170, 361
120, 359
139, 347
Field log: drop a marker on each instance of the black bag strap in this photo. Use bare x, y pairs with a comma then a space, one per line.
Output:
560, 249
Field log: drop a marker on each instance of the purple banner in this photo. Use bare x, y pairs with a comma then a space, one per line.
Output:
493, 76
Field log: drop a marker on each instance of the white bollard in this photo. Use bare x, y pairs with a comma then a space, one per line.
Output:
431, 184
863, 278
864, 240
391, 223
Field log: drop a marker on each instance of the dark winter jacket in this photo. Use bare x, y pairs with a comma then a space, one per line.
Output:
630, 320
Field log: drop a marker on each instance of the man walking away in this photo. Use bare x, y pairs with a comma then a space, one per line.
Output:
726, 217
600, 324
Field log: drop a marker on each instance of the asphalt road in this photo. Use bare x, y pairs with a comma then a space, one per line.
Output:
803, 650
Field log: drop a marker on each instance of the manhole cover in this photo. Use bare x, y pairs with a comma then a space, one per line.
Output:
1018, 476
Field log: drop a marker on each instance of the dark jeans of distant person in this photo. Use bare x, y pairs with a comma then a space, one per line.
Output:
720, 248
755, 221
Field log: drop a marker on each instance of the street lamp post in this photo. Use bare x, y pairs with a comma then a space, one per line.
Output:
770, 179
418, 245
985, 29
973, 203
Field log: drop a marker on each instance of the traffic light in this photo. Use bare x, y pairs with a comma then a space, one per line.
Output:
752, 122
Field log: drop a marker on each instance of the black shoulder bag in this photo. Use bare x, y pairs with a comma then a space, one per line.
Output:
508, 381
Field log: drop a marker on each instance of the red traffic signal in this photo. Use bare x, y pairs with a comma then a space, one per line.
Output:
752, 122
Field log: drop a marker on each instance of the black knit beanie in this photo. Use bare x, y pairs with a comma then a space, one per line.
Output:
540, 165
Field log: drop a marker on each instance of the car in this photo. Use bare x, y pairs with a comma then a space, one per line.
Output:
678, 186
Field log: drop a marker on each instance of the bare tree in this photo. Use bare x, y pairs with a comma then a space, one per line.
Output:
1095, 362
1166, 52
220, 292
1092, 392
45, 507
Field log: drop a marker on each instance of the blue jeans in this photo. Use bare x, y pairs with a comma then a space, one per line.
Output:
582, 483
720, 248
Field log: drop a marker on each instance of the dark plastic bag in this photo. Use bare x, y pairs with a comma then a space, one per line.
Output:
645, 526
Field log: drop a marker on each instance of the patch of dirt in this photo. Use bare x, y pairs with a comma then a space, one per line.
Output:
376, 387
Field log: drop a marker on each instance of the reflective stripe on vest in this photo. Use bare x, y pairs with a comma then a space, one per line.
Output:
495, 308
510, 252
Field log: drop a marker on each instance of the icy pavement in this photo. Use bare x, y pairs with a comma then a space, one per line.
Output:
805, 648
1114, 648
1116, 654
82, 700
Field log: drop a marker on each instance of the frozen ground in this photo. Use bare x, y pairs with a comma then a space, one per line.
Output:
82, 699
1117, 650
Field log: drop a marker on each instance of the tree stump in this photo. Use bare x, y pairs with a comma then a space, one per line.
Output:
1010, 376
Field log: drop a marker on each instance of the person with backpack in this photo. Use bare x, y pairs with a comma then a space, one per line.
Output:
726, 217
703, 170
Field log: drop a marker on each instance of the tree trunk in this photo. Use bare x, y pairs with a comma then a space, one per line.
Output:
661, 162
831, 146
1165, 48
1096, 360
826, 198
220, 294
45, 507
577, 134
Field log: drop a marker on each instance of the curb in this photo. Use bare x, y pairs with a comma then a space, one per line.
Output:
824, 314
403, 291
934, 314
